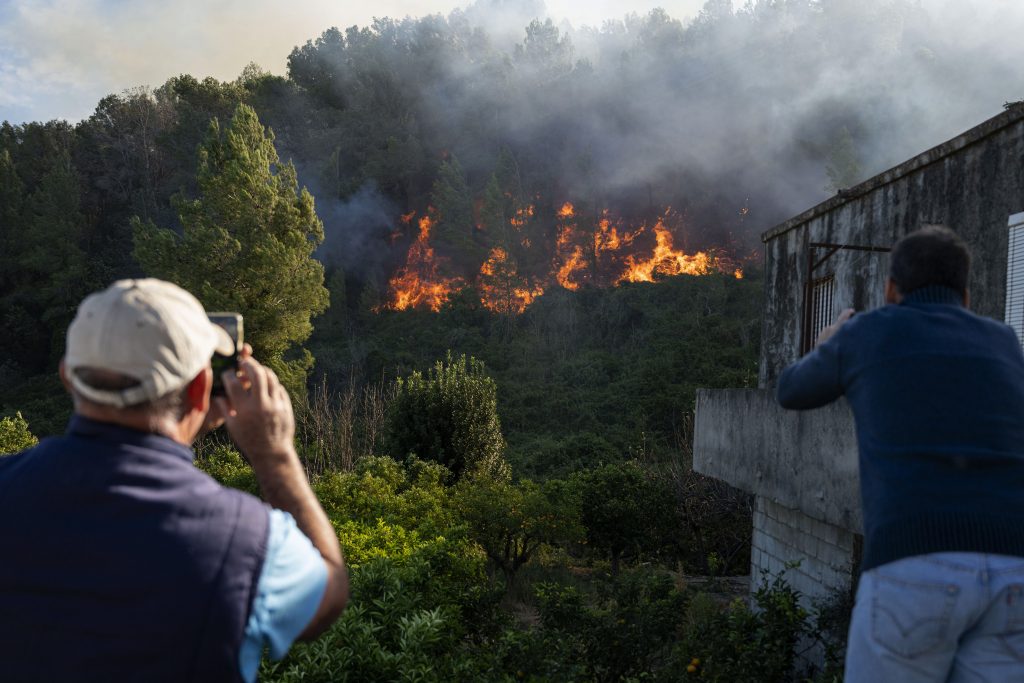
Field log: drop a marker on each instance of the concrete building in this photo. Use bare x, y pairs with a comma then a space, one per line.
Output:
802, 467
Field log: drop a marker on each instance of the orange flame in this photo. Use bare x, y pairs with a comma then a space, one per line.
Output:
604, 254
666, 261
570, 256
521, 216
573, 263
419, 283
501, 288
607, 238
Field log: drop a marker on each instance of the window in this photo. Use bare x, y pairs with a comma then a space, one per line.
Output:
822, 293
1015, 276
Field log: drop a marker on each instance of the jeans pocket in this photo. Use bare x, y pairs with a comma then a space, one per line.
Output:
911, 618
1012, 638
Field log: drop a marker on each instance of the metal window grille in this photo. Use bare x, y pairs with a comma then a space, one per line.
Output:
1015, 276
819, 294
822, 295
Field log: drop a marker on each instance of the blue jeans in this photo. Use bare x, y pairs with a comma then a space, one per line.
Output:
946, 617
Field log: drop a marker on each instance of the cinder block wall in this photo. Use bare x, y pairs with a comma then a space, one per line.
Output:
782, 535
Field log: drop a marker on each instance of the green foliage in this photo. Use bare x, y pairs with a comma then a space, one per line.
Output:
247, 243
389, 632
452, 200
449, 416
739, 644
382, 489
625, 630
14, 435
625, 510
45, 271
512, 521
225, 464
42, 399
582, 377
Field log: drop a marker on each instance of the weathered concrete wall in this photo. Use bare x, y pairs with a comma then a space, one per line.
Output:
972, 183
804, 461
802, 466
823, 553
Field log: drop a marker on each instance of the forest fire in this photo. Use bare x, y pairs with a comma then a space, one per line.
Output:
665, 260
567, 272
418, 282
603, 254
501, 288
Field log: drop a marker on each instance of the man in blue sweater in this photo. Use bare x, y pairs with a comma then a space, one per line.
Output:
937, 393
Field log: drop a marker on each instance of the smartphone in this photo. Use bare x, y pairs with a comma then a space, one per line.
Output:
232, 324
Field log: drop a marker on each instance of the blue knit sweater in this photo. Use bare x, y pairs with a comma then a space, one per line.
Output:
937, 393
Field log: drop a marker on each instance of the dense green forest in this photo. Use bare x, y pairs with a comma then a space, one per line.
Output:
718, 127
462, 255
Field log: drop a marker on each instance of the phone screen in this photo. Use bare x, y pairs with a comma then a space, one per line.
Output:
232, 324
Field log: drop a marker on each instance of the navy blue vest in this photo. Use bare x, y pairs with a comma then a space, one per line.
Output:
120, 561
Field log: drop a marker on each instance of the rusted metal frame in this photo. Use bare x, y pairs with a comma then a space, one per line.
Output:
808, 295
812, 266
832, 249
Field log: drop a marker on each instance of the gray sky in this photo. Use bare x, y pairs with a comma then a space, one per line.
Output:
59, 57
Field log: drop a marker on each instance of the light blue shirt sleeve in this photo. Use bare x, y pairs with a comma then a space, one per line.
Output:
289, 591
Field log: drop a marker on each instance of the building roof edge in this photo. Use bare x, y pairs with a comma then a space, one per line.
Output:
1013, 114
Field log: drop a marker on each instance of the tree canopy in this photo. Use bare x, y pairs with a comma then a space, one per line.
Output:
246, 243
449, 416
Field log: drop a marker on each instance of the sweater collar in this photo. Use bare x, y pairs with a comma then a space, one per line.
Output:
106, 431
933, 294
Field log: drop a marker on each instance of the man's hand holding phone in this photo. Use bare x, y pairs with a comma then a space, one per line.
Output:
829, 331
219, 407
257, 412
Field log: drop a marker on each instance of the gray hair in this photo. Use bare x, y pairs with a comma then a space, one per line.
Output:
171, 404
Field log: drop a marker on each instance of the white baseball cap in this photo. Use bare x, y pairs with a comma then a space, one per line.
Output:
151, 330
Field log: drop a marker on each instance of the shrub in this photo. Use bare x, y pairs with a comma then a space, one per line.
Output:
14, 435
390, 632
743, 645
448, 416
512, 521
413, 497
224, 463
622, 632
624, 510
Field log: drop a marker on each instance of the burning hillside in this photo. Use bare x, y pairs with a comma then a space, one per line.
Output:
574, 251
420, 282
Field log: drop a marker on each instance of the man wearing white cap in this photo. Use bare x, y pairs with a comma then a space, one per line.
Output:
121, 560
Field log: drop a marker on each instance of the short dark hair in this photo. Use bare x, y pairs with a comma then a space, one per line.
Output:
933, 255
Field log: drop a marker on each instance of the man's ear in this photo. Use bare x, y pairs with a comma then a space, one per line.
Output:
62, 371
967, 298
198, 390
892, 292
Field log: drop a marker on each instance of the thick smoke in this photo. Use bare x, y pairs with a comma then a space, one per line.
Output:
737, 118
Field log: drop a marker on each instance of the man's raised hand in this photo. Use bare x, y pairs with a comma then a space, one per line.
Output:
258, 413
829, 331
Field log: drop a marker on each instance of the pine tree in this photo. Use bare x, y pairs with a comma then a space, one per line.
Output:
46, 274
247, 244
453, 201
11, 190
494, 213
